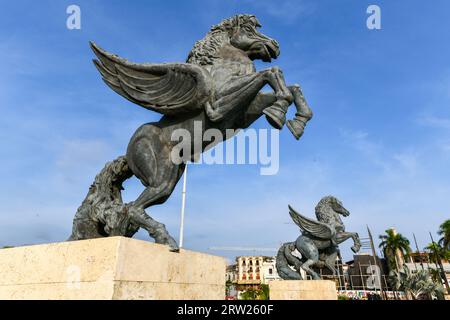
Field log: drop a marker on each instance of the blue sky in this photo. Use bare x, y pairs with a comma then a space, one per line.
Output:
379, 139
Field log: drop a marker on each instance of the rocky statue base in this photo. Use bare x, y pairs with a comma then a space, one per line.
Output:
109, 268
302, 290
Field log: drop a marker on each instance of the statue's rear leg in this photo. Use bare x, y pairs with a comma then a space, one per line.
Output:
330, 260
148, 156
155, 229
308, 250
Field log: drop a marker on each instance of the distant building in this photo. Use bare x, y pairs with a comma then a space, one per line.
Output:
419, 260
365, 272
231, 273
249, 272
252, 270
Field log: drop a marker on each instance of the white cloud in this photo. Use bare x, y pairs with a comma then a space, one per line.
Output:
81, 153
360, 141
407, 160
434, 122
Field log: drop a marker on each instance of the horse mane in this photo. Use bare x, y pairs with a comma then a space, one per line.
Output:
323, 210
205, 50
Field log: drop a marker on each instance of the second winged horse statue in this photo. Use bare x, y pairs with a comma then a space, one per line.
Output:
318, 243
218, 86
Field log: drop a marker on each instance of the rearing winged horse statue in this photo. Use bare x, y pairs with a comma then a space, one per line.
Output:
218, 86
318, 243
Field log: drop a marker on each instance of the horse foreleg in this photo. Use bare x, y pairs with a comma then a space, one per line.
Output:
357, 243
235, 94
240, 91
341, 237
303, 114
276, 113
257, 106
264, 101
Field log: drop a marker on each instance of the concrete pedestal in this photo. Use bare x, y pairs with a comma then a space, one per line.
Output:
109, 268
302, 290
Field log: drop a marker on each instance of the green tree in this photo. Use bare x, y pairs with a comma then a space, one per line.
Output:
249, 294
261, 293
444, 232
393, 243
435, 275
264, 292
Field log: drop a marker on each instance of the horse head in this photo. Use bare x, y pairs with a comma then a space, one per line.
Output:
329, 207
245, 36
240, 31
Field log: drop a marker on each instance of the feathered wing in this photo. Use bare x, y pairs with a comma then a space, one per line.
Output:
316, 228
167, 88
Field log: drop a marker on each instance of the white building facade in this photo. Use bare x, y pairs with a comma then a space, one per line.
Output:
255, 270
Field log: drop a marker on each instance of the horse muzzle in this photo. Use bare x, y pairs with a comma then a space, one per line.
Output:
273, 48
264, 50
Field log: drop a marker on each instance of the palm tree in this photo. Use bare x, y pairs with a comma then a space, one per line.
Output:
435, 275
393, 244
444, 231
437, 253
418, 285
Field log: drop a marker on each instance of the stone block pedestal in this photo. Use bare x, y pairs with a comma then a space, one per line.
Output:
109, 268
302, 290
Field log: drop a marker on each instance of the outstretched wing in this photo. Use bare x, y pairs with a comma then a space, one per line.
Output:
167, 88
316, 228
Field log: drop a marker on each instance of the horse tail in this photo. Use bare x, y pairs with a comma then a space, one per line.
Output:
96, 217
285, 259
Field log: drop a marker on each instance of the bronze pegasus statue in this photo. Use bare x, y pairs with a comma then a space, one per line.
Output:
218, 86
318, 243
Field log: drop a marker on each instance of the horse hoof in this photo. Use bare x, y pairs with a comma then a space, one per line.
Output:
275, 116
173, 246
167, 240
296, 127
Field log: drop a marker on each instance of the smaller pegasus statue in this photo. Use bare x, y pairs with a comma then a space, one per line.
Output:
318, 244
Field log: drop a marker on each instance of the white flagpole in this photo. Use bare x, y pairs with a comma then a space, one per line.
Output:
183, 204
